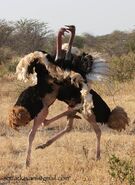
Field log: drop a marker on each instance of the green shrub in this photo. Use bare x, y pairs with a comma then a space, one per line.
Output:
9, 67
123, 67
121, 170
6, 55
3, 71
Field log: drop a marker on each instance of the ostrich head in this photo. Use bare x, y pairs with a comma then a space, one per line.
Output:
65, 50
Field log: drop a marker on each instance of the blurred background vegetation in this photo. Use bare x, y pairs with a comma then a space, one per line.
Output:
27, 35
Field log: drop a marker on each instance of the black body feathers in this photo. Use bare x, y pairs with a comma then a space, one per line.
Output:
81, 64
100, 109
31, 98
71, 95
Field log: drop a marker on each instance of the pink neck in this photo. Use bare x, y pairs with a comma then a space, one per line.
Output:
59, 45
68, 54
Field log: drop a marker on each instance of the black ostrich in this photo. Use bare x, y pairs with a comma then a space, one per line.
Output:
33, 102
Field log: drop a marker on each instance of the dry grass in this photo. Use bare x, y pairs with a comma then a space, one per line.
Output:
71, 159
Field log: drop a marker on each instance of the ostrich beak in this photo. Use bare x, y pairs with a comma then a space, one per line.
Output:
70, 26
63, 30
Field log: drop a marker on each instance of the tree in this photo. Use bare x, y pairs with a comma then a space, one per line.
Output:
29, 35
79, 41
6, 30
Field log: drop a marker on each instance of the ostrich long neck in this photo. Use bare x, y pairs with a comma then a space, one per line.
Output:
58, 45
68, 53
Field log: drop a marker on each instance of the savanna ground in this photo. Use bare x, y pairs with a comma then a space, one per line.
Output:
71, 159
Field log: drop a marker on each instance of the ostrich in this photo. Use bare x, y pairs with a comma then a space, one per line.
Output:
90, 68
100, 112
35, 101
84, 64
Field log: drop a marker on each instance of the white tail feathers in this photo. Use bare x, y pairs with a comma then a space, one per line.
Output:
100, 70
22, 67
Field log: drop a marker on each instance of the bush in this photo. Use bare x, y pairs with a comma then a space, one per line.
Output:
6, 55
121, 170
11, 66
8, 68
123, 67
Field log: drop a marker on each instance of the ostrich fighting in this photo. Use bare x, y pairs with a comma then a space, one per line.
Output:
67, 76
